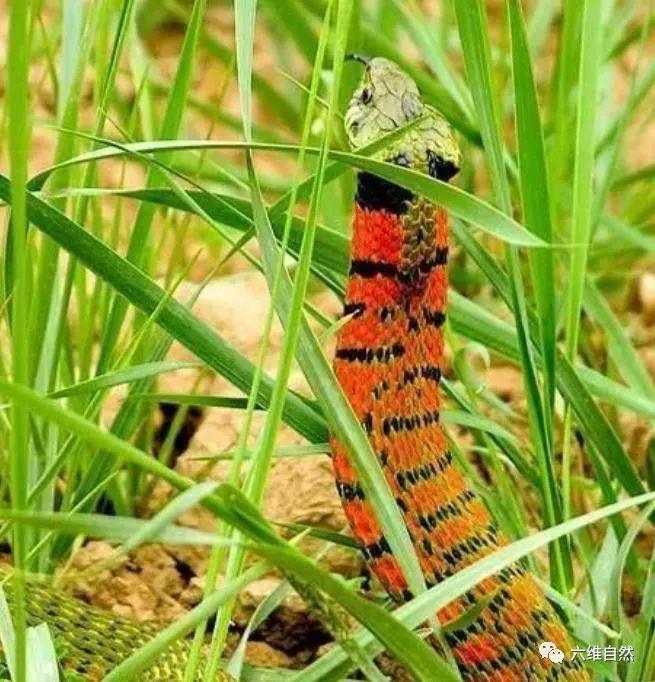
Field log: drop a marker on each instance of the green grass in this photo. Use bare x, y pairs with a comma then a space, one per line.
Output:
19, 461
551, 221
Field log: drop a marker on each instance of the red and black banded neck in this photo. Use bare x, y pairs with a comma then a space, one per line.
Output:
396, 235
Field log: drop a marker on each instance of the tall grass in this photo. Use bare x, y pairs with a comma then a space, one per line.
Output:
18, 131
551, 222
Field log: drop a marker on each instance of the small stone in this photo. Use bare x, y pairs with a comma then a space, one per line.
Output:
262, 655
647, 296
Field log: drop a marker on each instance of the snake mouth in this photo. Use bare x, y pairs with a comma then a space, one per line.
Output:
355, 57
352, 120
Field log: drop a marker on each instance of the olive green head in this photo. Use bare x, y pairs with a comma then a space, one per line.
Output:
387, 98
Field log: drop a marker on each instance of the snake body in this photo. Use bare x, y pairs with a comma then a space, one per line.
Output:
92, 642
389, 360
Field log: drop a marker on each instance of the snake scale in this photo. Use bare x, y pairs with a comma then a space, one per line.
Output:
389, 363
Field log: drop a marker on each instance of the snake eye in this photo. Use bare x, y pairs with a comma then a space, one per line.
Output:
367, 95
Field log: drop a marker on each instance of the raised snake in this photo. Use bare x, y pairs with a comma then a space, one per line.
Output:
388, 361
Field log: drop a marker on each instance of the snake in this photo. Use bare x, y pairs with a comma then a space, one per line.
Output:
91, 641
389, 362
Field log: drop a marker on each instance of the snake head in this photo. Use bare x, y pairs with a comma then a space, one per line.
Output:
387, 98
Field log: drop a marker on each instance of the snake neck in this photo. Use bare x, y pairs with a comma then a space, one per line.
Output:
399, 236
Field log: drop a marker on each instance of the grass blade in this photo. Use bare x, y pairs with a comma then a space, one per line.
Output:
458, 202
123, 376
533, 178
244, 28
18, 129
7, 636
42, 665
581, 220
111, 528
260, 470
